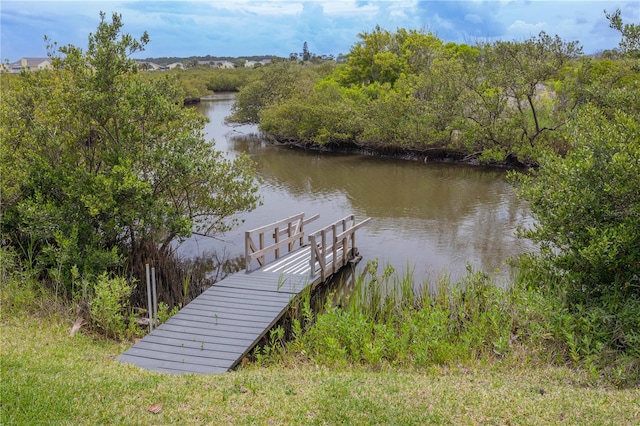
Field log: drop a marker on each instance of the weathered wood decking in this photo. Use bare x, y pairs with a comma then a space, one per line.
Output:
221, 326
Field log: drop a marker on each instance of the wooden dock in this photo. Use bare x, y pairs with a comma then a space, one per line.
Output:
221, 326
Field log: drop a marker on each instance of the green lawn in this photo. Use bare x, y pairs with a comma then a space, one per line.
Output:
49, 377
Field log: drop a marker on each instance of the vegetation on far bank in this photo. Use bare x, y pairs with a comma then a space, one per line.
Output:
410, 92
200, 82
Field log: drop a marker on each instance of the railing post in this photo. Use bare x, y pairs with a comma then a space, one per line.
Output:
247, 251
334, 247
323, 253
276, 238
345, 241
261, 243
313, 247
353, 237
301, 230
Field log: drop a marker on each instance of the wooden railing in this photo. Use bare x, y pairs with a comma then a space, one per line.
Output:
333, 246
276, 239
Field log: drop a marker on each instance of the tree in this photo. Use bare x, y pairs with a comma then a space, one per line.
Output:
193, 63
306, 56
102, 169
587, 207
511, 101
270, 85
382, 56
630, 42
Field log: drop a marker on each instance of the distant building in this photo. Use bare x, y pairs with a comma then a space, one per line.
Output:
29, 64
148, 66
176, 65
224, 64
252, 64
216, 64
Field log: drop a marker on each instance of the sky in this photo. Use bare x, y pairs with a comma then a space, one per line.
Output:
280, 27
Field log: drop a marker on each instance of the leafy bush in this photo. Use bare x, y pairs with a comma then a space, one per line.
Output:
101, 167
108, 305
164, 312
588, 209
587, 206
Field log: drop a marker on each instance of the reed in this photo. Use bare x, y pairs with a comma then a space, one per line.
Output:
387, 320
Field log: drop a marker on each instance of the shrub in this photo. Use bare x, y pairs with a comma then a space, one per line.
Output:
108, 306
587, 206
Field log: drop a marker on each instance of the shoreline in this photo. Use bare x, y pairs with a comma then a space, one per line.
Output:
427, 155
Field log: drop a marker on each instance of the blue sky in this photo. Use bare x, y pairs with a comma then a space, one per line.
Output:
280, 27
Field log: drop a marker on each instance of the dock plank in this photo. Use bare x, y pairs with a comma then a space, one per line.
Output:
222, 337
230, 354
172, 367
222, 345
233, 306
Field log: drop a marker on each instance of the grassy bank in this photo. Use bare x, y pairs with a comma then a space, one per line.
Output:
50, 377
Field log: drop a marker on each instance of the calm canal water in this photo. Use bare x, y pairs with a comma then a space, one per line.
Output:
427, 218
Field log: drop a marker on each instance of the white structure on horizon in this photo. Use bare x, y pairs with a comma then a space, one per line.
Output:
28, 64
217, 64
251, 64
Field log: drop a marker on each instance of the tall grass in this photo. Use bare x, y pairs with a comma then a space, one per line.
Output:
22, 294
386, 320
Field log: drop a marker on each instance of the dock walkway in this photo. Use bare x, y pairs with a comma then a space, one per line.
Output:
221, 326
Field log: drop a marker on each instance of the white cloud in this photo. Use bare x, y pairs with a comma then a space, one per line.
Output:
350, 8
522, 27
271, 8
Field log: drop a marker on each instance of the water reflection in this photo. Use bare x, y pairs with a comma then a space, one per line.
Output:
431, 218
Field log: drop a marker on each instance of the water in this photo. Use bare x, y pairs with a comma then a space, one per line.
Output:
427, 218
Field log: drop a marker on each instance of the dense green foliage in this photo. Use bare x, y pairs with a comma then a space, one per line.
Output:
410, 91
587, 206
386, 320
199, 82
102, 169
274, 84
